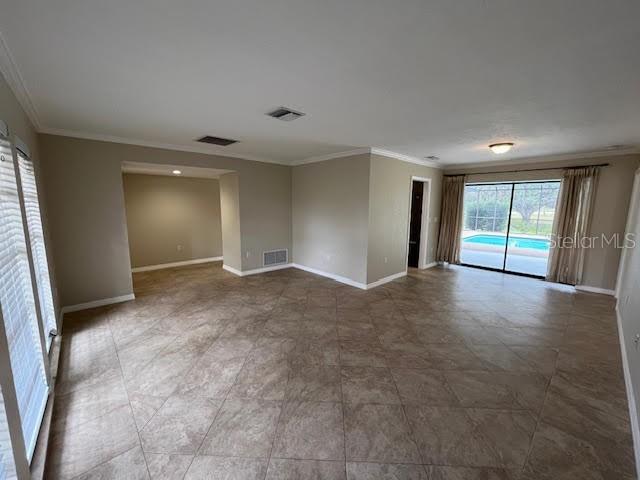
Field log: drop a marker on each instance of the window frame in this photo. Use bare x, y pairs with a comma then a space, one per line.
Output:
22, 453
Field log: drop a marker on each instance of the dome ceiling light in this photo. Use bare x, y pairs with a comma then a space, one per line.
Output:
500, 148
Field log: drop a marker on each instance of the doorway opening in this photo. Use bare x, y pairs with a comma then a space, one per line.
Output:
418, 222
507, 226
174, 215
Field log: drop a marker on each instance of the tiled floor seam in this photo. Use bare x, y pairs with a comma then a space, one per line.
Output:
406, 419
539, 416
275, 433
197, 452
130, 406
342, 403
105, 462
226, 396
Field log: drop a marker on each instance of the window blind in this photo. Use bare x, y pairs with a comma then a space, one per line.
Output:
7, 467
18, 306
38, 247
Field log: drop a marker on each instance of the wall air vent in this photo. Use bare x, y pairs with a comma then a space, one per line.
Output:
216, 140
275, 257
285, 114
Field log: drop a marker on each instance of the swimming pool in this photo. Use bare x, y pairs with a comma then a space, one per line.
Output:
514, 242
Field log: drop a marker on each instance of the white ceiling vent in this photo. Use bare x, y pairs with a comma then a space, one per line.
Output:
285, 114
275, 257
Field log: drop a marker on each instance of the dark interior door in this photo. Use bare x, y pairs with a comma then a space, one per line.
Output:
416, 223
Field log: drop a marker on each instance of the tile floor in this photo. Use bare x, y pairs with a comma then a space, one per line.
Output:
447, 374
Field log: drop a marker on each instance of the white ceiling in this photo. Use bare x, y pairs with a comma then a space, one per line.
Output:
416, 77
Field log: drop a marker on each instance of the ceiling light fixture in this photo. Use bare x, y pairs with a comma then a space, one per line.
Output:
433, 158
500, 148
177, 172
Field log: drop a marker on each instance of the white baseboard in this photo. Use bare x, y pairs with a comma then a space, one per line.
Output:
97, 303
429, 265
631, 399
348, 281
388, 279
337, 278
255, 271
231, 270
160, 266
603, 291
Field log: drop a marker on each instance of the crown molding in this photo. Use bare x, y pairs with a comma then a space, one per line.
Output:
369, 150
16, 83
331, 156
151, 144
542, 159
405, 158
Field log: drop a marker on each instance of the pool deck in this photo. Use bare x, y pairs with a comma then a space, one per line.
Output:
516, 263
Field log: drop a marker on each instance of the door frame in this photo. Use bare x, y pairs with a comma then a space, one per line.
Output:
631, 218
424, 223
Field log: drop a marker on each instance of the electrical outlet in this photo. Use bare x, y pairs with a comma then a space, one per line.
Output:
386, 259
247, 254
179, 248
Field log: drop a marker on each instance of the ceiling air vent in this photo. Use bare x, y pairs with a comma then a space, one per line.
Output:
274, 257
285, 114
216, 140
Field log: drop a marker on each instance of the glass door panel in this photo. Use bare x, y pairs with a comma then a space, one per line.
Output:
486, 215
529, 238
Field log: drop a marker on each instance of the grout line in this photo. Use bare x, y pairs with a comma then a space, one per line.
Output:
402, 406
283, 404
174, 390
343, 402
539, 416
107, 461
133, 418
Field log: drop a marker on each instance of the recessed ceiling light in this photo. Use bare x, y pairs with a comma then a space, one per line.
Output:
177, 172
500, 148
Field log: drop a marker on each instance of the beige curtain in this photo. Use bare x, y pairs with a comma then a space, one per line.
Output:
451, 219
571, 226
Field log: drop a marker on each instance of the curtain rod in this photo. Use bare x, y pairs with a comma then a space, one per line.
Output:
529, 170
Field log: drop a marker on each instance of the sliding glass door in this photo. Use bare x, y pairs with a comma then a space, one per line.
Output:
486, 218
507, 226
532, 212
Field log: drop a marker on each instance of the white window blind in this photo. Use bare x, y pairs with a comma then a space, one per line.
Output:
38, 247
7, 466
18, 306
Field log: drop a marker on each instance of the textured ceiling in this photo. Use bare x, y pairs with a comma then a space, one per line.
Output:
416, 77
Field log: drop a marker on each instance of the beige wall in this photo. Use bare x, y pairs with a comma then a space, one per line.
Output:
389, 197
330, 216
172, 219
265, 212
350, 214
629, 302
83, 186
87, 221
609, 215
230, 215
